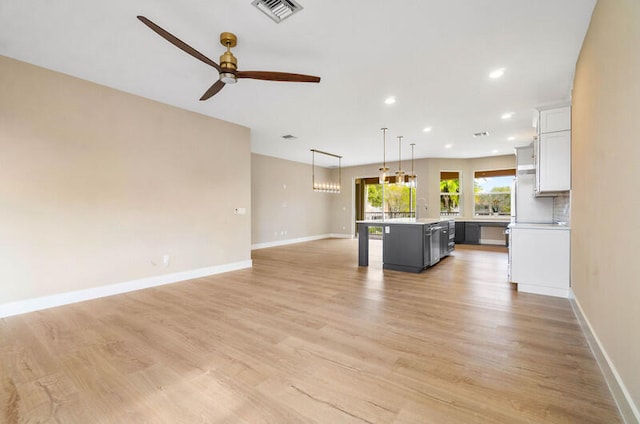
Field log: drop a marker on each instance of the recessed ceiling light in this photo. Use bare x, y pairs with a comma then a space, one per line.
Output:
497, 73
494, 151
390, 100
511, 138
507, 115
448, 146
427, 129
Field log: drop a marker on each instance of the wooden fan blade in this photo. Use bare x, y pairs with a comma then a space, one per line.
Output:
179, 43
276, 76
213, 90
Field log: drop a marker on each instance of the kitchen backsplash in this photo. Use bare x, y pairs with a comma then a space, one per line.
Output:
562, 208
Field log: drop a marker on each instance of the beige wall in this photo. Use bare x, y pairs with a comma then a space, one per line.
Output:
285, 207
97, 185
428, 186
605, 270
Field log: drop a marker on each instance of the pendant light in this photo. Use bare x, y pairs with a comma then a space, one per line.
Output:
412, 176
399, 172
383, 171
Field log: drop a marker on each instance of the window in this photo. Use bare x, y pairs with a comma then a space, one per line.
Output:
449, 193
399, 199
492, 192
394, 201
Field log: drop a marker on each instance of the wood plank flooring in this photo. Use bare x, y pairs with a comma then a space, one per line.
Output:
307, 336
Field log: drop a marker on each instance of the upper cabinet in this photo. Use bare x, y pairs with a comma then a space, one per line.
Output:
525, 162
554, 120
553, 172
553, 151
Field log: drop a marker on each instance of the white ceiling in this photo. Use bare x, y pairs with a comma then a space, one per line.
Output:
434, 56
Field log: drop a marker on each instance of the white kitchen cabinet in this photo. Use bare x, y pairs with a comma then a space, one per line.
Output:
553, 170
524, 158
553, 152
540, 258
553, 120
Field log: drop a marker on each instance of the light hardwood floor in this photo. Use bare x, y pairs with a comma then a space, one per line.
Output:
306, 336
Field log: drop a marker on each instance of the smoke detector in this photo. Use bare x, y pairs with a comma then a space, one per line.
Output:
277, 10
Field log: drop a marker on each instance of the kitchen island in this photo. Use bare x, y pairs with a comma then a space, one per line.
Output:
407, 244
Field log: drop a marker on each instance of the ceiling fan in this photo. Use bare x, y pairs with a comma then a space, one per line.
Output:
228, 68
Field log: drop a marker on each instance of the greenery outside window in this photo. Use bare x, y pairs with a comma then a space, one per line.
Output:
492, 192
449, 193
398, 199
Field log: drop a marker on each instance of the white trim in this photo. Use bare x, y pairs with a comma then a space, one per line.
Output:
45, 302
493, 242
287, 241
298, 240
628, 409
547, 291
341, 236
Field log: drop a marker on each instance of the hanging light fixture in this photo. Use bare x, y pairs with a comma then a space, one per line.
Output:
325, 187
412, 176
399, 172
383, 171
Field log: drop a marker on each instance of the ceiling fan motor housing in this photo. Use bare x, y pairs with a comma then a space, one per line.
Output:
228, 61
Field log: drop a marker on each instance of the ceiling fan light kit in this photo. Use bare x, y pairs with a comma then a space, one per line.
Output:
228, 67
228, 78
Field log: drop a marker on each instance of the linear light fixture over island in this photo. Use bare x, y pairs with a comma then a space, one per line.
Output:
330, 186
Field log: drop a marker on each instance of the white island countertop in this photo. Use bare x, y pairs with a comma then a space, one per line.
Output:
413, 221
497, 219
429, 221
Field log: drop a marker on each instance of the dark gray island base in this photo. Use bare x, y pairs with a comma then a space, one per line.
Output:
408, 245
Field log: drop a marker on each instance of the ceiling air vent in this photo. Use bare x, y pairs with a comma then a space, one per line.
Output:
278, 10
289, 137
481, 134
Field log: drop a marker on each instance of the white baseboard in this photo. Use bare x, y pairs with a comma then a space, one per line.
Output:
547, 291
342, 236
45, 302
628, 409
298, 240
493, 242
